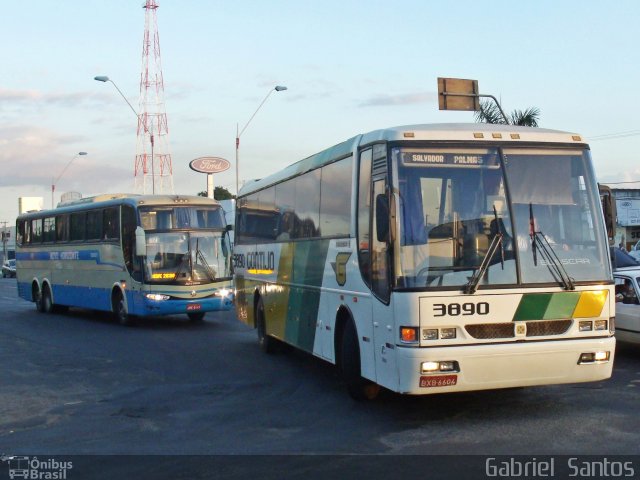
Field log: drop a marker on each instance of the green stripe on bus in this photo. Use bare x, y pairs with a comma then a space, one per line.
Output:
533, 306
547, 306
562, 305
308, 269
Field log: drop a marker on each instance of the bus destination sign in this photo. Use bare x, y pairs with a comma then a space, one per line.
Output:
449, 159
209, 165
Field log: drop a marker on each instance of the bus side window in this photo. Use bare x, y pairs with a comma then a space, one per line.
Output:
364, 203
36, 230
129, 225
23, 233
78, 226
62, 228
94, 225
111, 226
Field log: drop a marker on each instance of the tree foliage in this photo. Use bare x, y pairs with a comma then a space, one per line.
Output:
490, 113
219, 193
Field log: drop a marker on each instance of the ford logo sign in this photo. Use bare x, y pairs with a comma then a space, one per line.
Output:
209, 165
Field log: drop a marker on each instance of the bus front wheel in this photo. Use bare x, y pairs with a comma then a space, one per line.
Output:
359, 388
120, 309
196, 317
267, 343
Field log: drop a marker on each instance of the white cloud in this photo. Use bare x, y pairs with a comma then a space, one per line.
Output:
403, 99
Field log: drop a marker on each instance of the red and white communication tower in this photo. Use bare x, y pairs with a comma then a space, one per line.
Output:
153, 170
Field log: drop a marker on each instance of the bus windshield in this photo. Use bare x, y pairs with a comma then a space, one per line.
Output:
535, 210
182, 217
186, 257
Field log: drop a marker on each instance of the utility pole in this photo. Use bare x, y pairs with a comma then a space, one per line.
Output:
5, 239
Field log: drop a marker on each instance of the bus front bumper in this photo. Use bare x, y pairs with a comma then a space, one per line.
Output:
493, 366
175, 306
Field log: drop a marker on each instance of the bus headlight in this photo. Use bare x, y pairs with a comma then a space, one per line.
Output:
447, 333
223, 292
441, 366
157, 297
429, 333
585, 326
600, 325
593, 357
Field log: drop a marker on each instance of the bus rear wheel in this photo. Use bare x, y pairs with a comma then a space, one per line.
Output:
46, 300
359, 388
267, 344
119, 308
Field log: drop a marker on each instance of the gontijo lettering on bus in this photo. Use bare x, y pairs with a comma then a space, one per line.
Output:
256, 262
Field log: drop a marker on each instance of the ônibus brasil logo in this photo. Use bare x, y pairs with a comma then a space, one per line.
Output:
33, 468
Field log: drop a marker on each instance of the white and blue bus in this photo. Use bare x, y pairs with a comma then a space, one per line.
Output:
132, 255
433, 258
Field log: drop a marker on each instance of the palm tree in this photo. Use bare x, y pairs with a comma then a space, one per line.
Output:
490, 113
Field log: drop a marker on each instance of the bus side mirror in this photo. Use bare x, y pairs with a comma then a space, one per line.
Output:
229, 228
382, 218
141, 242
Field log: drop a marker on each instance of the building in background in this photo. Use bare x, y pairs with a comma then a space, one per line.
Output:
628, 223
30, 204
8, 236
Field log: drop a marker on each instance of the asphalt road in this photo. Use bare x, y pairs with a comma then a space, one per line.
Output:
80, 384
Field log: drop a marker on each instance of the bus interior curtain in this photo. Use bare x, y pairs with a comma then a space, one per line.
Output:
413, 231
543, 180
186, 217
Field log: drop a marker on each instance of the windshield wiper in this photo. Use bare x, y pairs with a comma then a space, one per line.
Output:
498, 241
549, 255
199, 255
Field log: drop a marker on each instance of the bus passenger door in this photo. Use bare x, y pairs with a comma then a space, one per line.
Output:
382, 314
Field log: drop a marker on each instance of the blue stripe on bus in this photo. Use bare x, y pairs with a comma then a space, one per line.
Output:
65, 256
100, 299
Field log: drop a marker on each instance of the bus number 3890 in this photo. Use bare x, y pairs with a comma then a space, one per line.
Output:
456, 309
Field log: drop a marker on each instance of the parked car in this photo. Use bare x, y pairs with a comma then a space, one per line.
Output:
623, 259
9, 269
627, 304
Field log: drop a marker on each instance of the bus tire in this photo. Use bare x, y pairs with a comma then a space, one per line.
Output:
36, 294
47, 301
267, 344
119, 308
196, 317
359, 388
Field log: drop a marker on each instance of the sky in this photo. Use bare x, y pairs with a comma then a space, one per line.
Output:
349, 67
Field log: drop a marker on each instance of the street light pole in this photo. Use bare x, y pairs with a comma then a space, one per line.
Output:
104, 78
277, 88
54, 181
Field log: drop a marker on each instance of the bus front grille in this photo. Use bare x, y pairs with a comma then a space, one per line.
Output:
484, 331
547, 327
538, 328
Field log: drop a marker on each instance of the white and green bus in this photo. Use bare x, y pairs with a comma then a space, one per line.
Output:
433, 258
133, 255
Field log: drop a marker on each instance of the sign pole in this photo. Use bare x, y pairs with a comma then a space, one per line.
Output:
210, 188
